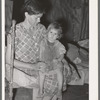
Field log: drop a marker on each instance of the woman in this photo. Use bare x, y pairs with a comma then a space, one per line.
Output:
28, 35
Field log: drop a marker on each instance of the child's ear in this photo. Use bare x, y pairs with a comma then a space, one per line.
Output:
59, 36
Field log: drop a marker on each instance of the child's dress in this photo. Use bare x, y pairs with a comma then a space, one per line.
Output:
48, 52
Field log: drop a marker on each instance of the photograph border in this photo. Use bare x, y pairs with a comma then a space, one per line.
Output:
93, 50
98, 49
0, 54
93, 46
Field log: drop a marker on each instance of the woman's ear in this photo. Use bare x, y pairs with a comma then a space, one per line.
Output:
26, 14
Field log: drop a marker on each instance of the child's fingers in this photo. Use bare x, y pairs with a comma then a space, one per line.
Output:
42, 69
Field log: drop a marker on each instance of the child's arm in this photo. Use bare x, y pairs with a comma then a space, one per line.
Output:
61, 51
61, 57
58, 59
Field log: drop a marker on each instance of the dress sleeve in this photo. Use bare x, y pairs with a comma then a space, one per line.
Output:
61, 48
18, 31
18, 34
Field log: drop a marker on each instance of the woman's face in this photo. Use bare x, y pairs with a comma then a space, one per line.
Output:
33, 19
52, 35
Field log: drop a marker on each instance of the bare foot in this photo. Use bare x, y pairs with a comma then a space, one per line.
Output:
40, 95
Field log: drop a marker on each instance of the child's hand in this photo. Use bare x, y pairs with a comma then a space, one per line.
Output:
42, 69
55, 60
42, 66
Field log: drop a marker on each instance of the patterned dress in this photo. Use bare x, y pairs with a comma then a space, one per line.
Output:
48, 52
26, 50
27, 44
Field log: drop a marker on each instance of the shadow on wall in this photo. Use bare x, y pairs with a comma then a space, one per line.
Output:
17, 4
57, 12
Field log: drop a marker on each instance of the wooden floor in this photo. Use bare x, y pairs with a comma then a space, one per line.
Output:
72, 93
76, 93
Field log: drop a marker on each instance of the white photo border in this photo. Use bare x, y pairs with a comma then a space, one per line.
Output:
93, 49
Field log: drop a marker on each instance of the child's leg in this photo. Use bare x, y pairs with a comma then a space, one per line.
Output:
42, 77
60, 83
60, 78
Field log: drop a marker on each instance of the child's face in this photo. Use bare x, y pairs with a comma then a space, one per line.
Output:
52, 35
33, 19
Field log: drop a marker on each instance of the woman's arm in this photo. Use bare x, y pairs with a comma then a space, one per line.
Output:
36, 66
20, 64
61, 57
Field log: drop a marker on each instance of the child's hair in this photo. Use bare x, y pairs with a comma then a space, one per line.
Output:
33, 7
56, 26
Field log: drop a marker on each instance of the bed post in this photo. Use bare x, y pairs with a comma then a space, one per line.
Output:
12, 60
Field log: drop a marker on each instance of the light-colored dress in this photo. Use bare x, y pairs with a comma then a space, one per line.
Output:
50, 51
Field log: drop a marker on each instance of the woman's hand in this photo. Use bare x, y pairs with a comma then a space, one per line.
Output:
13, 26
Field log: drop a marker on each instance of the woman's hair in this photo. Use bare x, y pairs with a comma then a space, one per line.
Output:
33, 7
56, 26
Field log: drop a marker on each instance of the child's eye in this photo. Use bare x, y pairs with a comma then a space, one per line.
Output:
38, 18
55, 34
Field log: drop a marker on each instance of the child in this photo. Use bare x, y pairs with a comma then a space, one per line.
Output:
52, 52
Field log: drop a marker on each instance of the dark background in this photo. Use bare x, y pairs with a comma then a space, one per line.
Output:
73, 15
